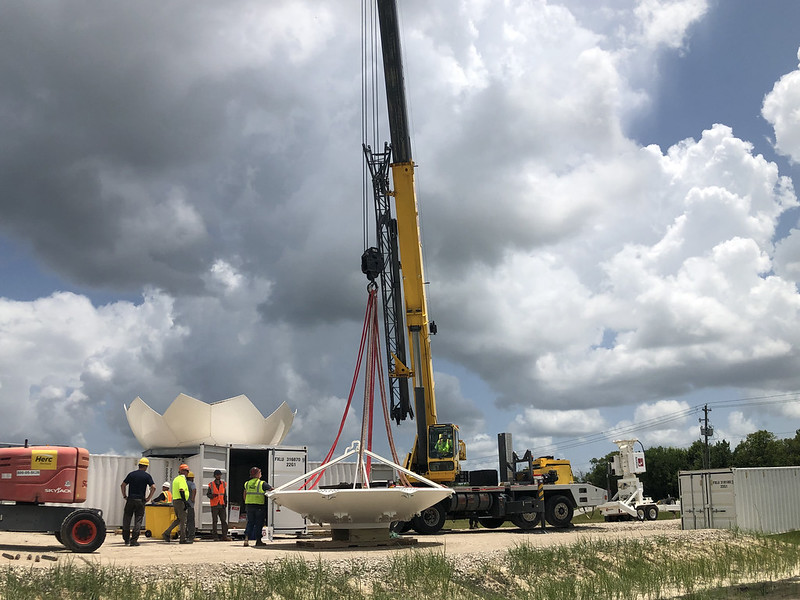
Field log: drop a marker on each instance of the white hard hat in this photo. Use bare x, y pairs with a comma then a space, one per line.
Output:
165, 484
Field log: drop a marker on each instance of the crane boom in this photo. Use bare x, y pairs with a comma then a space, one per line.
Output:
400, 237
528, 497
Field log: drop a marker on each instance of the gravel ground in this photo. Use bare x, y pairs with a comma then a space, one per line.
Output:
456, 544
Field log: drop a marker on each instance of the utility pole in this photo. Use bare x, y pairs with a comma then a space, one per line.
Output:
706, 431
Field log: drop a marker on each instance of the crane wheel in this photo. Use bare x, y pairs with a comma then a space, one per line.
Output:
491, 523
83, 531
429, 521
526, 521
400, 526
651, 512
558, 511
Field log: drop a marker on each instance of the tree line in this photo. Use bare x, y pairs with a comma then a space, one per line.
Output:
759, 449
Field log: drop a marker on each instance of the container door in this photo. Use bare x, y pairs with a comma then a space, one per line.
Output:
287, 464
203, 465
707, 499
722, 500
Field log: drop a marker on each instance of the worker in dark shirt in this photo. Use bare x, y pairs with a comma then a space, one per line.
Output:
136, 483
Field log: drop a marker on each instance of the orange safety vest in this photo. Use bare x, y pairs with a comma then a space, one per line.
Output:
168, 496
217, 493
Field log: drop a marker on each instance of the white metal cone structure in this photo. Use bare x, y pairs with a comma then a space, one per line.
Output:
369, 508
189, 422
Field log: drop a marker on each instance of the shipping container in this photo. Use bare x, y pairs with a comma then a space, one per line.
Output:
760, 499
278, 464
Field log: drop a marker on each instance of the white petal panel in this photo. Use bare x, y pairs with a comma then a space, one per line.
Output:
237, 421
148, 426
189, 422
276, 426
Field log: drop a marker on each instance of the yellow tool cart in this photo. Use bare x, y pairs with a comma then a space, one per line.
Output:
157, 517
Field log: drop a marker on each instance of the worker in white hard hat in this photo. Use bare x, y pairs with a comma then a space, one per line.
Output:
134, 490
165, 497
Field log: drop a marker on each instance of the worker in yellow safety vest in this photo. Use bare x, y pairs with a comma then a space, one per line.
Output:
180, 502
255, 506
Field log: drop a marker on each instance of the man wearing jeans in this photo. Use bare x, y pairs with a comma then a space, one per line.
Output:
134, 488
255, 505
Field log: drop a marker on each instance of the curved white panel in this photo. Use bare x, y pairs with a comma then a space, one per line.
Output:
359, 509
189, 422
148, 426
189, 419
276, 426
236, 420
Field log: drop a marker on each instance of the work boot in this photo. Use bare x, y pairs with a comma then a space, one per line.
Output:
227, 538
260, 543
246, 543
134, 543
165, 537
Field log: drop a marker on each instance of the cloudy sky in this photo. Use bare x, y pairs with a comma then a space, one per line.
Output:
607, 193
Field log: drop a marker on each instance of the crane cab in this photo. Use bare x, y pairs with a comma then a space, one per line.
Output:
445, 449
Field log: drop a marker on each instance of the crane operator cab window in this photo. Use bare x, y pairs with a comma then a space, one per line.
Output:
441, 442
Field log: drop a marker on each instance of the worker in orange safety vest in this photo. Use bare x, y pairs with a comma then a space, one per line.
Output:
218, 494
165, 497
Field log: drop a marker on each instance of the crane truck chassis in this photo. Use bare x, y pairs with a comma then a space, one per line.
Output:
33, 479
543, 490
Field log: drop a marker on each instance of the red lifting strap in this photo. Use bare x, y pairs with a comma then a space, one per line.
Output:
370, 342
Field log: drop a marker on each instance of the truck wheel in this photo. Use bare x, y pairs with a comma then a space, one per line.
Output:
640, 514
651, 512
526, 521
429, 521
558, 511
400, 526
491, 523
83, 531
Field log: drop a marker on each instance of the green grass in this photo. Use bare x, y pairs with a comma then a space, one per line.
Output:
620, 569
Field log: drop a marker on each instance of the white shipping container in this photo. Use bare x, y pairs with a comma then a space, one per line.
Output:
278, 465
754, 499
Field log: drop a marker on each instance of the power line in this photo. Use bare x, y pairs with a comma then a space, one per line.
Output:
656, 422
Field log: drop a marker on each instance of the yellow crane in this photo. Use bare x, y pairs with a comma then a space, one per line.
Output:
544, 488
437, 448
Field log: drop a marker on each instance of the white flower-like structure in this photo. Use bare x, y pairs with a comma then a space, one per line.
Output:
190, 422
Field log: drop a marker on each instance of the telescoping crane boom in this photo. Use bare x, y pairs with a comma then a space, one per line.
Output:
398, 237
544, 489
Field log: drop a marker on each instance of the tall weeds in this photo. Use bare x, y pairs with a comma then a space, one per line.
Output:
626, 569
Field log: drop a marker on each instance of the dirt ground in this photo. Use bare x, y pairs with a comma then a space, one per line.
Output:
30, 546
